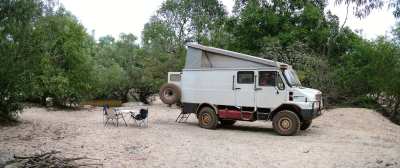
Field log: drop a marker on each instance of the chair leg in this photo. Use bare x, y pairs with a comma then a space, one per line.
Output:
105, 124
142, 123
139, 123
124, 120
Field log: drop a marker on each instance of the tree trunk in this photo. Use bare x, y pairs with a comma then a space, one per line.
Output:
377, 98
43, 101
124, 98
395, 112
124, 95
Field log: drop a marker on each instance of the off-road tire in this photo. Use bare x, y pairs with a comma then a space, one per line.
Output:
170, 93
286, 123
207, 118
305, 124
227, 122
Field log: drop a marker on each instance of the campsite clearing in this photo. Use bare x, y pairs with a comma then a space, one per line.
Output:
343, 137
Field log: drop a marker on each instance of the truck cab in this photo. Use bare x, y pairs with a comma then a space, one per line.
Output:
226, 86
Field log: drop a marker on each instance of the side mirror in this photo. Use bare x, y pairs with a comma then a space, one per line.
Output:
279, 83
281, 86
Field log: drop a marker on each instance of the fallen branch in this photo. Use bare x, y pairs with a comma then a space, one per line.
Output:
49, 159
37, 156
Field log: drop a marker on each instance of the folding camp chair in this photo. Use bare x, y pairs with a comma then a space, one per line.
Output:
141, 119
112, 114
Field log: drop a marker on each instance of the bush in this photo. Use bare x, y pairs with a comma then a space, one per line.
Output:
16, 29
64, 69
365, 101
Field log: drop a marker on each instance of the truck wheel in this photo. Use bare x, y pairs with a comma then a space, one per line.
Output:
286, 123
227, 122
170, 93
207, 118
305, 124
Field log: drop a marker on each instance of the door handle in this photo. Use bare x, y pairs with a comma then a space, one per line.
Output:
238, 88
257, 89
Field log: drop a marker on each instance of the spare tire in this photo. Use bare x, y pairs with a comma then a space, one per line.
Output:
170, 93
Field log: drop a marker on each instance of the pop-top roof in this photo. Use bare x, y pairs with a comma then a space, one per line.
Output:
214, 57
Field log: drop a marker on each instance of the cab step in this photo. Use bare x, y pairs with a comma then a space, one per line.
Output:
262, 116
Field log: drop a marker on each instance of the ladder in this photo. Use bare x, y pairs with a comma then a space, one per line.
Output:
182, 117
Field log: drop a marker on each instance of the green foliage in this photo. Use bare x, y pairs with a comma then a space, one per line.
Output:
114, 66
192, 20
16, 29
368, 67
371, 69
109, 80
364, 101
63, 69
44, 53
285, 21
127, 71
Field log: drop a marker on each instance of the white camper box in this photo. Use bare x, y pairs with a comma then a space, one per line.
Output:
222, 86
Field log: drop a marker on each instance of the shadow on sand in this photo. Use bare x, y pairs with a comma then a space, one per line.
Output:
243, 128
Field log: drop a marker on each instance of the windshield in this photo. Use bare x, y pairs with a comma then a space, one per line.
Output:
291, 77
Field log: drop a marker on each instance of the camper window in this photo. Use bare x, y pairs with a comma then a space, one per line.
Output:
267, 78
291, 77
245, 77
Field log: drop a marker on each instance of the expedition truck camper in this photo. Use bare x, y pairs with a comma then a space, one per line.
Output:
222, 87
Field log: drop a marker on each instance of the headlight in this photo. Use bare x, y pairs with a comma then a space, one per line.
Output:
316, 105
300, 99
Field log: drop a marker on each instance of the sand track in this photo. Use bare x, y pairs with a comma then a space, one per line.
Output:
343, 137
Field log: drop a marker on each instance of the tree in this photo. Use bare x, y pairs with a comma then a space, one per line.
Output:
367, 73
192, 20
64, 64
285, 21
164, 37
364, 8
185, 21
119, 66
17, 19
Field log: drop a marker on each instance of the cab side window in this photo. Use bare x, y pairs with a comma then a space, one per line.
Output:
245, 77
267, 78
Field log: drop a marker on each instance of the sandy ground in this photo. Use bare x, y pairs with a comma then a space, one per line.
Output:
344, 137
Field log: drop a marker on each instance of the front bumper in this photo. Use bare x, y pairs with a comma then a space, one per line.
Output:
314, 112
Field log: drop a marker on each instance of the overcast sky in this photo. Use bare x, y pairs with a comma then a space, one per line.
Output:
112, 17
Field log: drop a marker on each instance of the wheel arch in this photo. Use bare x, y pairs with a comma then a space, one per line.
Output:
292, 107
201, 105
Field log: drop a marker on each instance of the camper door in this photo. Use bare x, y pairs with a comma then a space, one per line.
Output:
270, 91
244, 89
